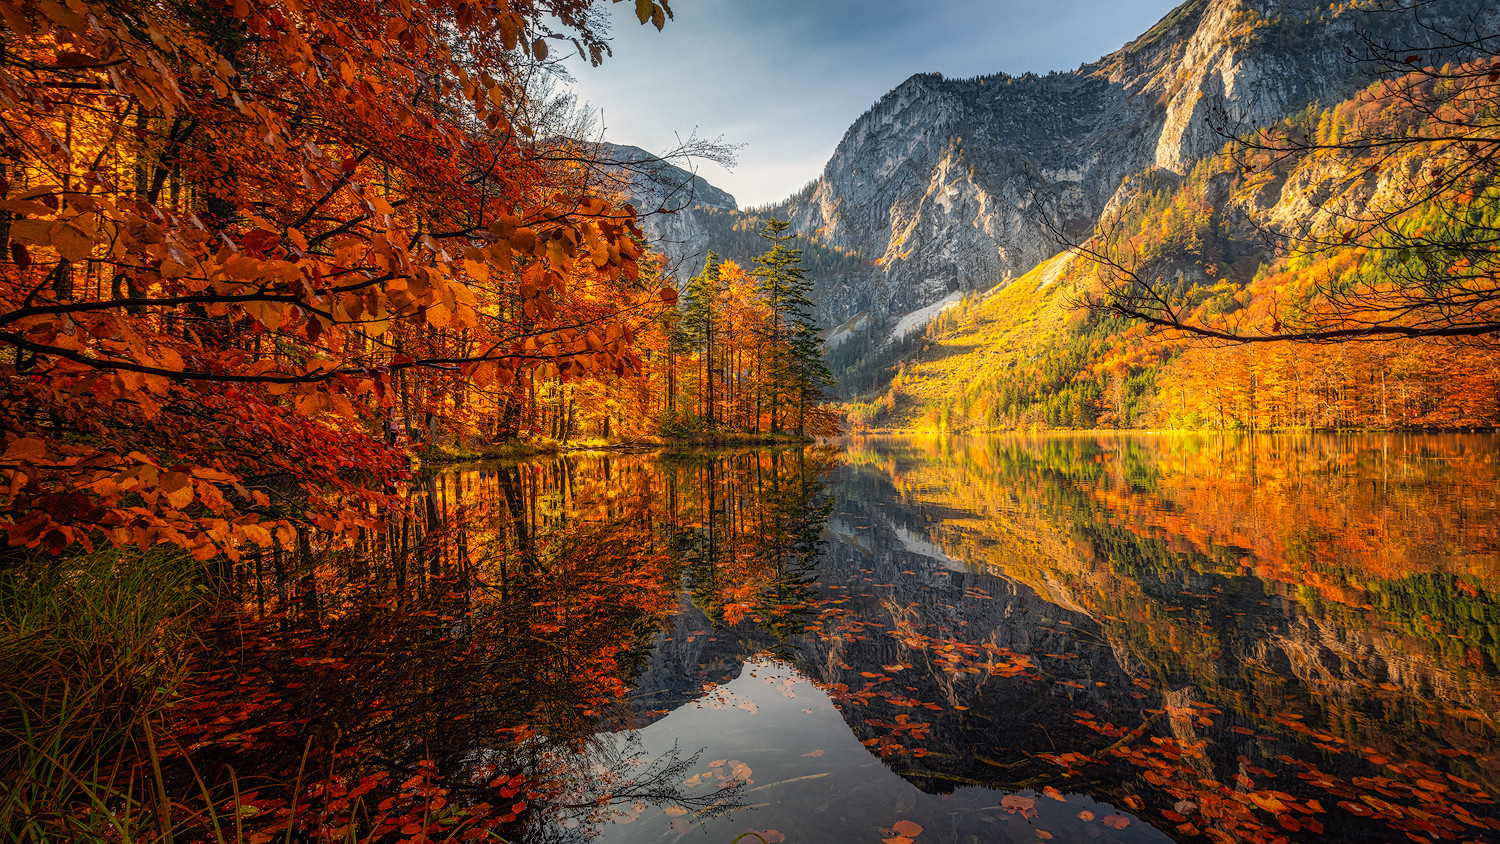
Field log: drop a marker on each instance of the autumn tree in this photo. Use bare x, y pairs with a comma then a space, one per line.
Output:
241, 233
1419, 194
701, 319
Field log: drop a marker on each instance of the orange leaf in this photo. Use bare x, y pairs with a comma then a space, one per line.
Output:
1116, 821
907, 828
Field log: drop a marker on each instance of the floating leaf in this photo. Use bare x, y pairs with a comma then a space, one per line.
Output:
1017, 803
909, 829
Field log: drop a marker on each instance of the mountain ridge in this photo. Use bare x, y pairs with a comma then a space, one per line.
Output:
950, 185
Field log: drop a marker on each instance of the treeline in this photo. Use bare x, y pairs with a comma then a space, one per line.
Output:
741, 355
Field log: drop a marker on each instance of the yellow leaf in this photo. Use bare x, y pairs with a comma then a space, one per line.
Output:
477, 270
24, 206
259, 535
178, 489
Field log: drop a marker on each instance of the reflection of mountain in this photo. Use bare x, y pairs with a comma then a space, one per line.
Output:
685, 655
1022, 615
1185, 612
952, 634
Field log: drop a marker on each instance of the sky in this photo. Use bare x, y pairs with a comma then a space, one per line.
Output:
785, 78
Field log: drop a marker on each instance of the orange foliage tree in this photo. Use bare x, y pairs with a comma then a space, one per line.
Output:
239, 232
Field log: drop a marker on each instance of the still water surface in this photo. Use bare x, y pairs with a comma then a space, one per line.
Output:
1100, 639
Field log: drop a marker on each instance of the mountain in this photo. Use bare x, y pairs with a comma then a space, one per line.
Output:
672, 202
684, 217
947, 185
948, 192
1023, 354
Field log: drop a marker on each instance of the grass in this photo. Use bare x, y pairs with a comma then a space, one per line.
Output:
91, 649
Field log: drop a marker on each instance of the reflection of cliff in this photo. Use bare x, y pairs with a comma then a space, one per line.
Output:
956, 677
1089, 524
685, 655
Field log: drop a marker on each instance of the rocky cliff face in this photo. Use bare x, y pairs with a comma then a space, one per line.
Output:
673, 203
948, 184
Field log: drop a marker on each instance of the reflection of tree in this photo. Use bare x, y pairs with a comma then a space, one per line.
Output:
1154, 535
489, 637
750, 536
607, 781
1223, 681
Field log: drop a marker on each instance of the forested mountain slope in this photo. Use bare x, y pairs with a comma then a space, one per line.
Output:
957, 184
1025, 354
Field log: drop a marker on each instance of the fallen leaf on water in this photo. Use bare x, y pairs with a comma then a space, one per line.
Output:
908, 829
1085, 816
1268, 802
1116, 821
1044, 835
818, 752
1015, 802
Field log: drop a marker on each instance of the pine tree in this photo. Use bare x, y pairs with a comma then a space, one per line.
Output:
810, 372
700, 319
797, 373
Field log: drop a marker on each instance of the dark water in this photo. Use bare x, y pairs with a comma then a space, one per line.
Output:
1074, 638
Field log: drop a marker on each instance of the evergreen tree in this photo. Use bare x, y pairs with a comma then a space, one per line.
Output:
810, 373
797, 373
700, 319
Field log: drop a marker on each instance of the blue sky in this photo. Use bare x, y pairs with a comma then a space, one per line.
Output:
785, 78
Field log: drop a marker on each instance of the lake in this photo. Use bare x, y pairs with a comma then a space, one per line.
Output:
1072, 638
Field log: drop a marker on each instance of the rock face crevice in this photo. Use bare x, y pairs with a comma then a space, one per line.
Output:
956, 184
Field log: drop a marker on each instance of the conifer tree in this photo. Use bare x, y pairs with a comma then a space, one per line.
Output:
700, 319
810, 372
795, 361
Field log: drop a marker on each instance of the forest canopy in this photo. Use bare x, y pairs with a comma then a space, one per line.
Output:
253, 246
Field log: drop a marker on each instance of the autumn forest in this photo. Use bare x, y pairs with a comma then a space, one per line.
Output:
383, 463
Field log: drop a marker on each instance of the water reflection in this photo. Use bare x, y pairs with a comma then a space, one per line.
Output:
1087, 638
